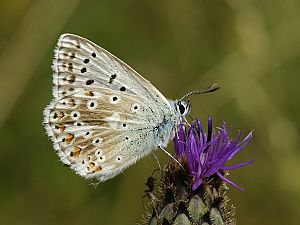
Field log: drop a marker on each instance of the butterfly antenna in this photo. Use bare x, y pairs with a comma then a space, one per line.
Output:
190, 117
209, 89
168, 153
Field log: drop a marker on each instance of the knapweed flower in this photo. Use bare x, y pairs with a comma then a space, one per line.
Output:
193, 189
207, 153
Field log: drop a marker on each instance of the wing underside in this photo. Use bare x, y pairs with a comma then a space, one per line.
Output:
103, 114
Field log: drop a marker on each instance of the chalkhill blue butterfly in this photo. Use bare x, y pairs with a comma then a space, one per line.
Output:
104, 116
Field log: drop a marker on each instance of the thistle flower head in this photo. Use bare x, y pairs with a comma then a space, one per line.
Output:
206, 153
196, 191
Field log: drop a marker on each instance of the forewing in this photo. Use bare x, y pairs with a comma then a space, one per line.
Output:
79, 62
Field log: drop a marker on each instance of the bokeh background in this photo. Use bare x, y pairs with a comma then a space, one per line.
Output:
251, 47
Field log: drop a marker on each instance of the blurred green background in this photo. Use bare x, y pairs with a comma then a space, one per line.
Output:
251, 47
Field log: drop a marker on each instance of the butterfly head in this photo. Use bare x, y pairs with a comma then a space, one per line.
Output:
183, 108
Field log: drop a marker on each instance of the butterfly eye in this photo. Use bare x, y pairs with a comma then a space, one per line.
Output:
181, 108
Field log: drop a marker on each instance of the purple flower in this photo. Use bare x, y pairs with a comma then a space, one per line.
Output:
207, 153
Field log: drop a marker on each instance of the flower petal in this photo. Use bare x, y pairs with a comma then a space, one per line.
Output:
197, 183
241, 145
229, 182
237, 165
179, 140
208, 152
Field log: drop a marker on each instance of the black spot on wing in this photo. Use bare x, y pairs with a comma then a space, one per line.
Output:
89, 82
83, 70
112, 77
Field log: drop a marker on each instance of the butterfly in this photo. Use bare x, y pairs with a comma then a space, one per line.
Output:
104, 116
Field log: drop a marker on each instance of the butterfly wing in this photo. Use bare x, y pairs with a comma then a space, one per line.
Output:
78, 59
103, 115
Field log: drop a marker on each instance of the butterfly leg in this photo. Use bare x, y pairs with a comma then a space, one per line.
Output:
187, 122
95, 184
156, 160
168, 153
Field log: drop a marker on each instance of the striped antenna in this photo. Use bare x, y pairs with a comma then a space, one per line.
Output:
208, 89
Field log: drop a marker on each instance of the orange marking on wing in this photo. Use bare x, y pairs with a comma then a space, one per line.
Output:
69, 137
76, 151
98, 169
60, 126
91, 165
